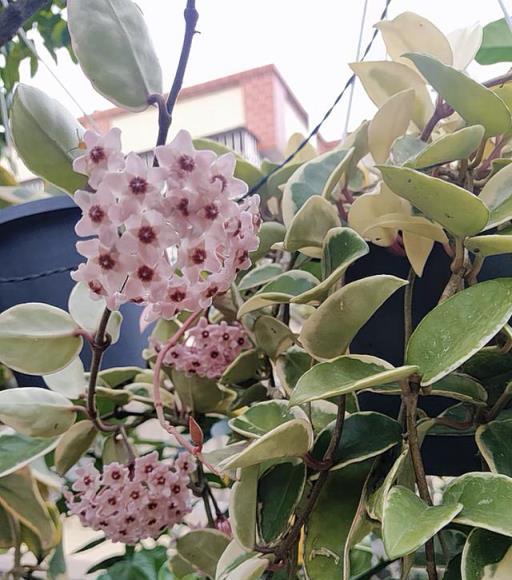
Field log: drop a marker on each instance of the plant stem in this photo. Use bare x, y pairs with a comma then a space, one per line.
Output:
204, 493
17, 571
99, 345
441, 111
293, 534
166, 109
411, 278
157, 399
457, 267
410, 393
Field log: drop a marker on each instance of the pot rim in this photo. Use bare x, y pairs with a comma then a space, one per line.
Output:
39, 206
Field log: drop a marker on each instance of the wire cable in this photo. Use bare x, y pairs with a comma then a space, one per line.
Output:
255, 188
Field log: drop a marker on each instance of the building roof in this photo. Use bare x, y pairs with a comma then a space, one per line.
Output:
215, 85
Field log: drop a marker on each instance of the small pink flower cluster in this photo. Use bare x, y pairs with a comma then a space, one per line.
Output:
170, 237
209, 349
132, 503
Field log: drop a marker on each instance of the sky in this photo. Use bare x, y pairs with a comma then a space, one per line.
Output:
310, 41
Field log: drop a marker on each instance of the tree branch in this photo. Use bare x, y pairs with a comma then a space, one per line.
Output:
15, 15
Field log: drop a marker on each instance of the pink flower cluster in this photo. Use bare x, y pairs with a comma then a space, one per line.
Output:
170, 237
132, 503
209, 349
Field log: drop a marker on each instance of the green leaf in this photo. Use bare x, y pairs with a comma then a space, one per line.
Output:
450, 147
486, 498
246, 366
455, 386
458, 328
236, 563
46, 136
492, 245
243, 169
329, 331
20, 497
476, 104
493, 440
263, 417
73, 444
331, 519
272, 336
7, 538
243, 505
202, 549
116, 28
382, 79
70, 381
341, 248
118, 376
38, 338
390, 121
199, 394
346, 374
17, 450
270, 233
291, 365
409, 32
364, 435
279, 492
457, 210
486, 555
281, 290
308, 180
408, 522
310, 225
87, 313
291, 439
260, 275
36, 412
496, 43
405, 148
497, 196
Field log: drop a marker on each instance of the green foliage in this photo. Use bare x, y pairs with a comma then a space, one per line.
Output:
132, 71
307, 479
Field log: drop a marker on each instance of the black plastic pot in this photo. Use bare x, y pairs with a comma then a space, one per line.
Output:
37, 254
383, 336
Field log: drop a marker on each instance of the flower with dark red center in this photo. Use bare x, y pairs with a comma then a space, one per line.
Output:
97, 154
186, 163
145, 273
198, 256
106, 261
96, 214
138, 185
146, 234
211, 211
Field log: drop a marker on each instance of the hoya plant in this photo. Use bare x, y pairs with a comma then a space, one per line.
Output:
329, 337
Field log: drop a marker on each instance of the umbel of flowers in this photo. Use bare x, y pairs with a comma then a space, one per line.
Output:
132, 502
169, 237
208, 350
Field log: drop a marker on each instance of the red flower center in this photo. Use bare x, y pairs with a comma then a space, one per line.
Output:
97, 154
138, 185
186, 163
211, 211
198, 256
106, 261
96, 214
145, 273
177, 296
146, 234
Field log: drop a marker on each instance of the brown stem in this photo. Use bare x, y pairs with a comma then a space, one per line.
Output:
99, 345
203, 492
293, 534
456, 281
441, 111
166, 109
411, 278
410, 397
